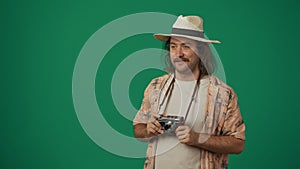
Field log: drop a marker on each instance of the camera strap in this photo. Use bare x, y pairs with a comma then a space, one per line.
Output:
167, 95
169, 82
193, 97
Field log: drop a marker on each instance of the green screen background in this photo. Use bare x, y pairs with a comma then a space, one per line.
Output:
41, 40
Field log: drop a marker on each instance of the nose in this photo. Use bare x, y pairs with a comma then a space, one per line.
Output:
179, 52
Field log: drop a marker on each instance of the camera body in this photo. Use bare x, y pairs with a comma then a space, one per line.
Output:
170, 123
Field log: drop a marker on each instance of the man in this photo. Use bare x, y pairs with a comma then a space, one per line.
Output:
212, 126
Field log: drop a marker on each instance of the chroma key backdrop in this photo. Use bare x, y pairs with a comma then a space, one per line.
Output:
73, 75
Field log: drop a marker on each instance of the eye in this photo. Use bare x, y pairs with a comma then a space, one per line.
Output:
186, 46
173, 46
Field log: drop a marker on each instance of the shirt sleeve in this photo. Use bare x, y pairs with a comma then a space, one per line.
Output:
144, 114
234, 124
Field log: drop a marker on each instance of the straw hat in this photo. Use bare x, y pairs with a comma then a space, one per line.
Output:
189, 27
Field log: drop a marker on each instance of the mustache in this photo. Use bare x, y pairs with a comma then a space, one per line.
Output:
181, 60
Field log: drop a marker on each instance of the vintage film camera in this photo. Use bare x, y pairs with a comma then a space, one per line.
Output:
170, 123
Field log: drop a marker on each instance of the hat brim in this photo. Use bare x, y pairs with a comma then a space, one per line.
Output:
165, 37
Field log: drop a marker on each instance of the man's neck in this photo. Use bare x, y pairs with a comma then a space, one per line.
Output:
190, 76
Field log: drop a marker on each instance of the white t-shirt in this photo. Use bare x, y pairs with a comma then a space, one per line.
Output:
170, 153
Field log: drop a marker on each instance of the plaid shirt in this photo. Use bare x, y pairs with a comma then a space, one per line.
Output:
222, 118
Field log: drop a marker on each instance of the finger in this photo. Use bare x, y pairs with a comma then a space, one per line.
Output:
182, 128
152, 131
185, 140
180, 133
156, 116
158, 130
161, 131
150, 128
181, 140
156, 123
153, 126
181, 137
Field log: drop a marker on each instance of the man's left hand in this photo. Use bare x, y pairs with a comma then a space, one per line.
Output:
186, 135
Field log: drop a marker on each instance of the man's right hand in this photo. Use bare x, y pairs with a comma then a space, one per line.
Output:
154, 128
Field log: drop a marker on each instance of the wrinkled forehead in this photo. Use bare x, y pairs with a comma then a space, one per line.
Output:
181, 40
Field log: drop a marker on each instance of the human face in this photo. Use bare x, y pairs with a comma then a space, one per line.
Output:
183, 55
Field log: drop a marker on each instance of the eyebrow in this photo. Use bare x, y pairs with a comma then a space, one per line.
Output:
184, 43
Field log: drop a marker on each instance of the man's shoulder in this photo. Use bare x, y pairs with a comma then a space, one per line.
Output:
218, 83
159, 81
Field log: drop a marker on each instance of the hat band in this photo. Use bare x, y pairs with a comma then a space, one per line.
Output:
187, 32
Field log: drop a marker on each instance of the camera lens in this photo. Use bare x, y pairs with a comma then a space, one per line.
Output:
167, 126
